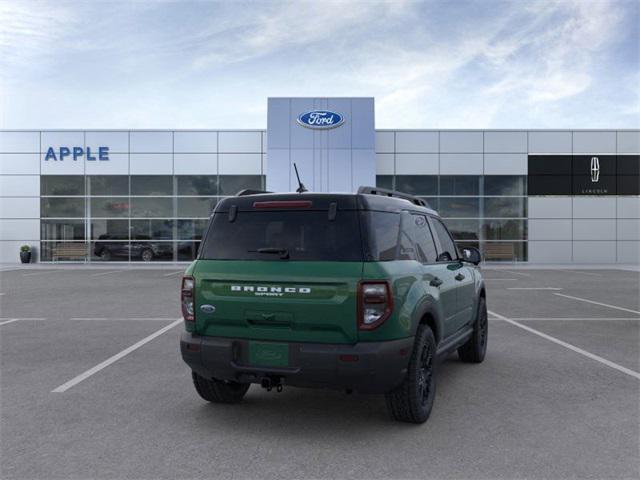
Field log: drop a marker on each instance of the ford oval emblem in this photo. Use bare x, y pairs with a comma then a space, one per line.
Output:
320, 119
207, 308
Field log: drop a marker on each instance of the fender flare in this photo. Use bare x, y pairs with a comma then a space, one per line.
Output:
435, 319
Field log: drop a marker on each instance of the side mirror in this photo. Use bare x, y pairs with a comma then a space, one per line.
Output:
471, 255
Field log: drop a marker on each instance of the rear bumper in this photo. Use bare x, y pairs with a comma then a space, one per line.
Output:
370, 367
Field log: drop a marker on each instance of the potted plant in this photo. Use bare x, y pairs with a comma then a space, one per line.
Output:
25, 254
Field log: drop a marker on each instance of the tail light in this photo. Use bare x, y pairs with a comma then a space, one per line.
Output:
375, 304
187, 299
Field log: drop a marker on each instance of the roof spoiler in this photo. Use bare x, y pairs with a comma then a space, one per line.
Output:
392, 193
249, 191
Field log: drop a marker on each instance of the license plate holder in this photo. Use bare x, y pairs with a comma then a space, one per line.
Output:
268, 354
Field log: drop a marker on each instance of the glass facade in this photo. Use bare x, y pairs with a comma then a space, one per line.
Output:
137, 218
488, 212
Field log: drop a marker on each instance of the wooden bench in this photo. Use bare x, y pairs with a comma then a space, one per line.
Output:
498, 251
69, 251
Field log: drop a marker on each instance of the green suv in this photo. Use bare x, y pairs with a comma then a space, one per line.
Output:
361, 292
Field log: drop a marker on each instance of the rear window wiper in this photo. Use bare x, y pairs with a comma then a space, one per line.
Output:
283, 252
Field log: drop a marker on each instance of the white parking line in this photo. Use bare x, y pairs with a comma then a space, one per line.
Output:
134, 319
105, 273
579, 272
573, 319
518, 273
534, 288
83, 376
573, 348
500, 279
597, 303
173, 273
11, 320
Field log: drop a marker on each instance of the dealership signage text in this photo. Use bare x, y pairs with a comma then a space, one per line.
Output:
320, 119
76, 153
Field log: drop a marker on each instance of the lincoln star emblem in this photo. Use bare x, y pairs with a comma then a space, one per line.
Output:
595, 169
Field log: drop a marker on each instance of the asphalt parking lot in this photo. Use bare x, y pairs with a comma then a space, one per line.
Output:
558, 395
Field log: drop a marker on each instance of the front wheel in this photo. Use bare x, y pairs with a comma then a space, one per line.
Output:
476, 347
412, 401
147, 255
218, 391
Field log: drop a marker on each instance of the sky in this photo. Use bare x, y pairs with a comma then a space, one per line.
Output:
435, 64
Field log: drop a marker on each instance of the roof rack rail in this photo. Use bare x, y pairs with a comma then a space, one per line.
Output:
249, 191
392, 193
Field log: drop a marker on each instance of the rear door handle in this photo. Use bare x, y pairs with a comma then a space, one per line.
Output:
459, 277
436, 282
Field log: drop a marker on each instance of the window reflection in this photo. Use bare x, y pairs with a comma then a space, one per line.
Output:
62, 184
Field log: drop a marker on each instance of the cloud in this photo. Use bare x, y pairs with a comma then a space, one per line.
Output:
437, 64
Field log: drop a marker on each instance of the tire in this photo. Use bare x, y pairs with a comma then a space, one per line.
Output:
217, 391
412, 401
476, 347
105, 255
146, 255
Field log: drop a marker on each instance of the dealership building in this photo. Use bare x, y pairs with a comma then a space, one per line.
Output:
538, 196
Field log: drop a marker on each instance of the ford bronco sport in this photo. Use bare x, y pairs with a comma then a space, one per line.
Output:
361, 292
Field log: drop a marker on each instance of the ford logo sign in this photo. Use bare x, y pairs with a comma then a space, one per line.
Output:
320, 119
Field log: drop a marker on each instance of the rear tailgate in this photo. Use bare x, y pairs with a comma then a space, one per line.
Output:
288, 301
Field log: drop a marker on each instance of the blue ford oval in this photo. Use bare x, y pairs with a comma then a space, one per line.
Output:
320, 119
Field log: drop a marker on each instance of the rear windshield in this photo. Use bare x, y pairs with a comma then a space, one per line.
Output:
284, 235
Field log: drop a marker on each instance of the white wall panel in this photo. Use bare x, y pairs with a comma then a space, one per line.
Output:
19, 163
20, 186
628, 207
385, 164
461, 142
362, 113
417, 164
24, 207
118, 164
594, 142
461, 164
629, 142
240, 142
195, 163
151, 142
550, 142
118, 142
240, 164
590, 229
594, 252
195, 142
361, 163
549, 229
151, 164
20, 142
629, 252
505, 142
339, 170
10, 251
56, 140
549, 252
550, 207
341, 137
594, 207
20, 229
417, 142
385, 142
277, 161
68, 166
505, 164
628, 229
